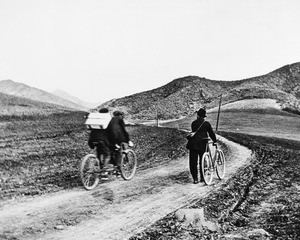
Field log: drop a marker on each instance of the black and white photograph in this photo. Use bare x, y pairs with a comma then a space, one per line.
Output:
149, 120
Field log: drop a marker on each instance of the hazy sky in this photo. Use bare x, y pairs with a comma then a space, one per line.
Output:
102, 49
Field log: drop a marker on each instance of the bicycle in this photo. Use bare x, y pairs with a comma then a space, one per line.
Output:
210, 164
91, 167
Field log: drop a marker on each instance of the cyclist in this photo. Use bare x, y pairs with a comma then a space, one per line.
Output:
117, 134
197, 145
98, 136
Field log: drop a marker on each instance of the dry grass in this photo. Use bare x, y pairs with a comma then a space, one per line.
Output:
18, 107
264, 121
249, 104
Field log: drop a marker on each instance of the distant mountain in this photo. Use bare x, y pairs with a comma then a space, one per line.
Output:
22, 90
73, 99
184, 96
18, 106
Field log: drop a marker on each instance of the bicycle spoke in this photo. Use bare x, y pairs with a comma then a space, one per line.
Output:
87, 180
220, 164
89, 165
206, 168
128, 166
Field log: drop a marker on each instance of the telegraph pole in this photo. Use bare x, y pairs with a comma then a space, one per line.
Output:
156, 117
219, 112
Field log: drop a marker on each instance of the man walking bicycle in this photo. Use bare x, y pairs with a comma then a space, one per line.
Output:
197, 144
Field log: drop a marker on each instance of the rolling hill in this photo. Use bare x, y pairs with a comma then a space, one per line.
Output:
261, 117
18, 106
183, 96
22, 90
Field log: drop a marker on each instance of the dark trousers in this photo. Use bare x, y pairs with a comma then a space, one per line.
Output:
104, 151
195, 160
117, 158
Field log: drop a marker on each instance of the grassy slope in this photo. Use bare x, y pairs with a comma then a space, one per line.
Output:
264, 120
19, 107
20, 90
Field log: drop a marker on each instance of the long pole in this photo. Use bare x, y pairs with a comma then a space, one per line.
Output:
156, 117
219, 112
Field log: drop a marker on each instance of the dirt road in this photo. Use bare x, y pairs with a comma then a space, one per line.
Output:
116, 209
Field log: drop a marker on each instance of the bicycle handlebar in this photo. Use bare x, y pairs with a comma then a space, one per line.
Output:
123, 145
210, 140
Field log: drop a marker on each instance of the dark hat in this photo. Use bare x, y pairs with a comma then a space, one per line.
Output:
103, 110
201, 112
118, 113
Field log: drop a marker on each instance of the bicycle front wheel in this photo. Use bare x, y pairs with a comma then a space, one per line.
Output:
220, 164
206, 168
128, 164
88, 171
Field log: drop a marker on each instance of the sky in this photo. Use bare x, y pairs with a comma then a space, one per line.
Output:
98, 50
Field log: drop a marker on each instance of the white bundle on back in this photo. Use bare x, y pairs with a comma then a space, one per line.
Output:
98, 120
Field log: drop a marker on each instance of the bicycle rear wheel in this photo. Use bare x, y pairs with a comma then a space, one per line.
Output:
88, 171
220, 164
206, 168
128, 164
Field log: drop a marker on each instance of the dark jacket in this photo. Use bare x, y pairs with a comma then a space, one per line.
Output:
205, 131
116, 131
97, 135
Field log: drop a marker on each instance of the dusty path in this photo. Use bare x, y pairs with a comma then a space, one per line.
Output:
116, 209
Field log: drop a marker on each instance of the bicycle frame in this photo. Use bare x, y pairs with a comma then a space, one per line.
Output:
210, 163
116, 151
208, 149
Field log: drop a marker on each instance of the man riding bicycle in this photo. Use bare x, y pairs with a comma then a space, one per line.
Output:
117, 133
104, 130
98, 136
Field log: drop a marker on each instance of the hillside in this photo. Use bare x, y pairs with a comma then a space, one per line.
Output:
22, 90
18, 106
183, 96
261, 117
